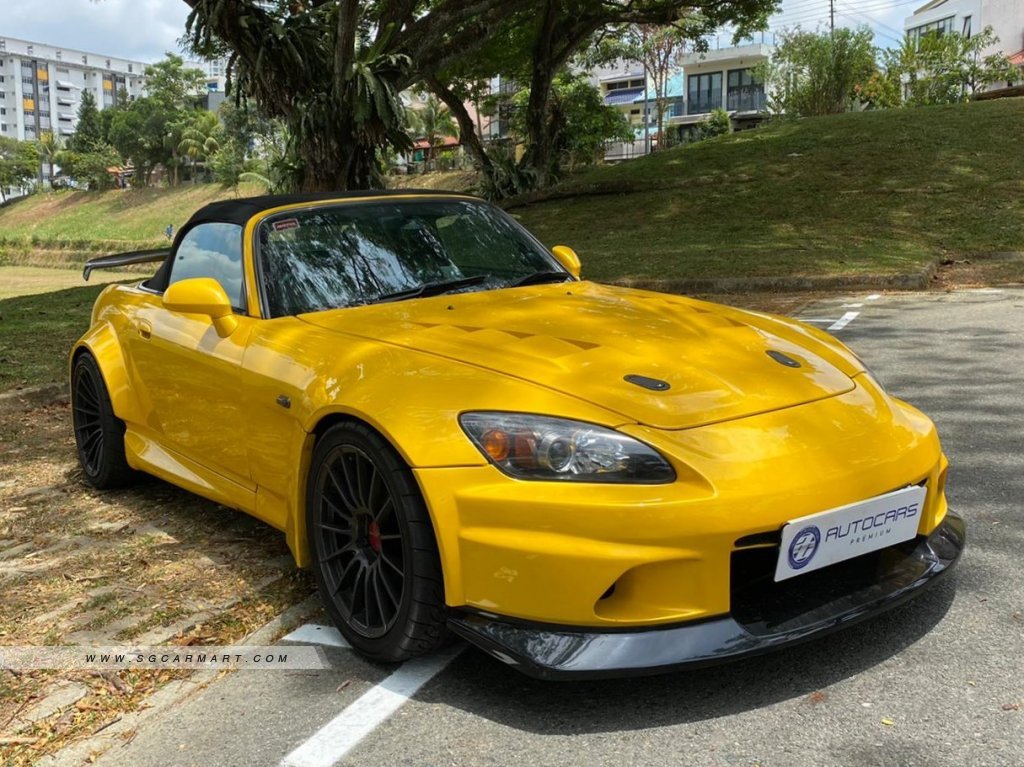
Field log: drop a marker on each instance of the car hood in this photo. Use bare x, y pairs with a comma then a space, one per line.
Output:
584, 339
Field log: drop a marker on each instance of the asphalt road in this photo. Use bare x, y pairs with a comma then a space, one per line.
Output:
933, 683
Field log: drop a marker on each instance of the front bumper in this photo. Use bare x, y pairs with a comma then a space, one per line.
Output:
767, 617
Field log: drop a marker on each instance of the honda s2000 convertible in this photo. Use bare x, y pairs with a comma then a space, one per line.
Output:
458, 434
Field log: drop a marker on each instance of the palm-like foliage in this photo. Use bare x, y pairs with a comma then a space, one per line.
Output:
49, 146
200, 139
432, 123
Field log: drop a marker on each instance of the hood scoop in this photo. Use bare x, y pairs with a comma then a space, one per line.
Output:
654, 384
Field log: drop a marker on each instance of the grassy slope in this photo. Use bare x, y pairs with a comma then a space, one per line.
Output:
877, 192
133, 218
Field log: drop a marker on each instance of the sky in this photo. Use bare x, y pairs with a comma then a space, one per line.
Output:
144, 29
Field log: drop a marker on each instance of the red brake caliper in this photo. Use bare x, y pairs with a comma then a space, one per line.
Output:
373, 533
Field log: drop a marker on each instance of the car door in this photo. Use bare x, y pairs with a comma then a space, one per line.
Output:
188, 373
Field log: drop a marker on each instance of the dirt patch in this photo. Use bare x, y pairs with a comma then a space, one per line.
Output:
77, 566
980, 271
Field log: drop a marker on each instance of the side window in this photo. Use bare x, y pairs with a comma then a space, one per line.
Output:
212, 250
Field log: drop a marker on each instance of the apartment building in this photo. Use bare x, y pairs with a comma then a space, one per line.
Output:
720, 78
41, 86
1006, 17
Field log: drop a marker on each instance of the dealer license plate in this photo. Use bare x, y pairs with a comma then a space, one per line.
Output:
818, 540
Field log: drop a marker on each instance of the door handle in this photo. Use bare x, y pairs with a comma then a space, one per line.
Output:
144, 327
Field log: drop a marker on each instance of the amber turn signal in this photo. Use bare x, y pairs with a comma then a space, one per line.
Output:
496, 443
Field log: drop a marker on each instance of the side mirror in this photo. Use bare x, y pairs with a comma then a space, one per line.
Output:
567, 257
202, 295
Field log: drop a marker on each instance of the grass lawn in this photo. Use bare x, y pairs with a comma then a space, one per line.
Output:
28, 280
36, 333
873, 192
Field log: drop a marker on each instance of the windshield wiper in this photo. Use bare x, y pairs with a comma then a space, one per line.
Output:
539, 278
432, 289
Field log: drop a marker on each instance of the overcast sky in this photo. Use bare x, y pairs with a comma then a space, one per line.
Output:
145, 29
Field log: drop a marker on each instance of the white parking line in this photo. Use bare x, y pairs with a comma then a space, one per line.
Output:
311, 633
340, 735
874, 296
843, 321
850, 306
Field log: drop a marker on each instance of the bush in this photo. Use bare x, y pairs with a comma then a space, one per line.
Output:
717, 123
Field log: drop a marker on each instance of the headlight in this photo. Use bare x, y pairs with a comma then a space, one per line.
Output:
538, 447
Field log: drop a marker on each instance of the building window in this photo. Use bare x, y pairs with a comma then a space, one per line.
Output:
967, 26
62, 71
744, 92
130, 70
938, 28
620, 85
30, 51
85, 59
3, 45
704, 92
60, 55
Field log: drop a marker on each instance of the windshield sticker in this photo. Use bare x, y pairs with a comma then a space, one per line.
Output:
288, 223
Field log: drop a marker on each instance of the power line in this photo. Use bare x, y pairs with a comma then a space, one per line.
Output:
898, 32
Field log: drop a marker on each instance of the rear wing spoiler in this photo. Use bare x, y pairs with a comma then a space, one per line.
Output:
124, 259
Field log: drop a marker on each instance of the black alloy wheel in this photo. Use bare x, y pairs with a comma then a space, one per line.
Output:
99, 434
372, 541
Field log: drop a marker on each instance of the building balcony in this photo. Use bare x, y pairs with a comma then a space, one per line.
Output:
745, 55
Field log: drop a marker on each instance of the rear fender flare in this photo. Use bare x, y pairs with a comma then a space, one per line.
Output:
102, 343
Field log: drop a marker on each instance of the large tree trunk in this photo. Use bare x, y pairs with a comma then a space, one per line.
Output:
467, 128
539, 149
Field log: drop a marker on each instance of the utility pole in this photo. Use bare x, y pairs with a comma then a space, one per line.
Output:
647, 131
832, 18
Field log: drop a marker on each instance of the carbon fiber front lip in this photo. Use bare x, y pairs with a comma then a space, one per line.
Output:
547, 652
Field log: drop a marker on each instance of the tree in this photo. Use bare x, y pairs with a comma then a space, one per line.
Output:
49, 146
584, 123
946, 69
533, 46
816, 73
333, 69
91, 168
19, 164
173, 83
200, 140
88, 131
149, 130
433, 123
658, 47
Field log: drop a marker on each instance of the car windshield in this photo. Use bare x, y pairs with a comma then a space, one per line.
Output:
355, 254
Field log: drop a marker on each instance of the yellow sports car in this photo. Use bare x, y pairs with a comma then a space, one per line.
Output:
457, 433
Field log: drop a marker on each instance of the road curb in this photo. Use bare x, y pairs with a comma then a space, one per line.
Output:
31, 397
919, 280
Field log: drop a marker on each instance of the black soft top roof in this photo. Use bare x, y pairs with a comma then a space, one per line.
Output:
241, 210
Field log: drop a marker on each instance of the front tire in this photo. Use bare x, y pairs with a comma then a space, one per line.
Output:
99, 434
373, 547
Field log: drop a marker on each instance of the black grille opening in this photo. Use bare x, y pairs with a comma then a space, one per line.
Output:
764, 607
